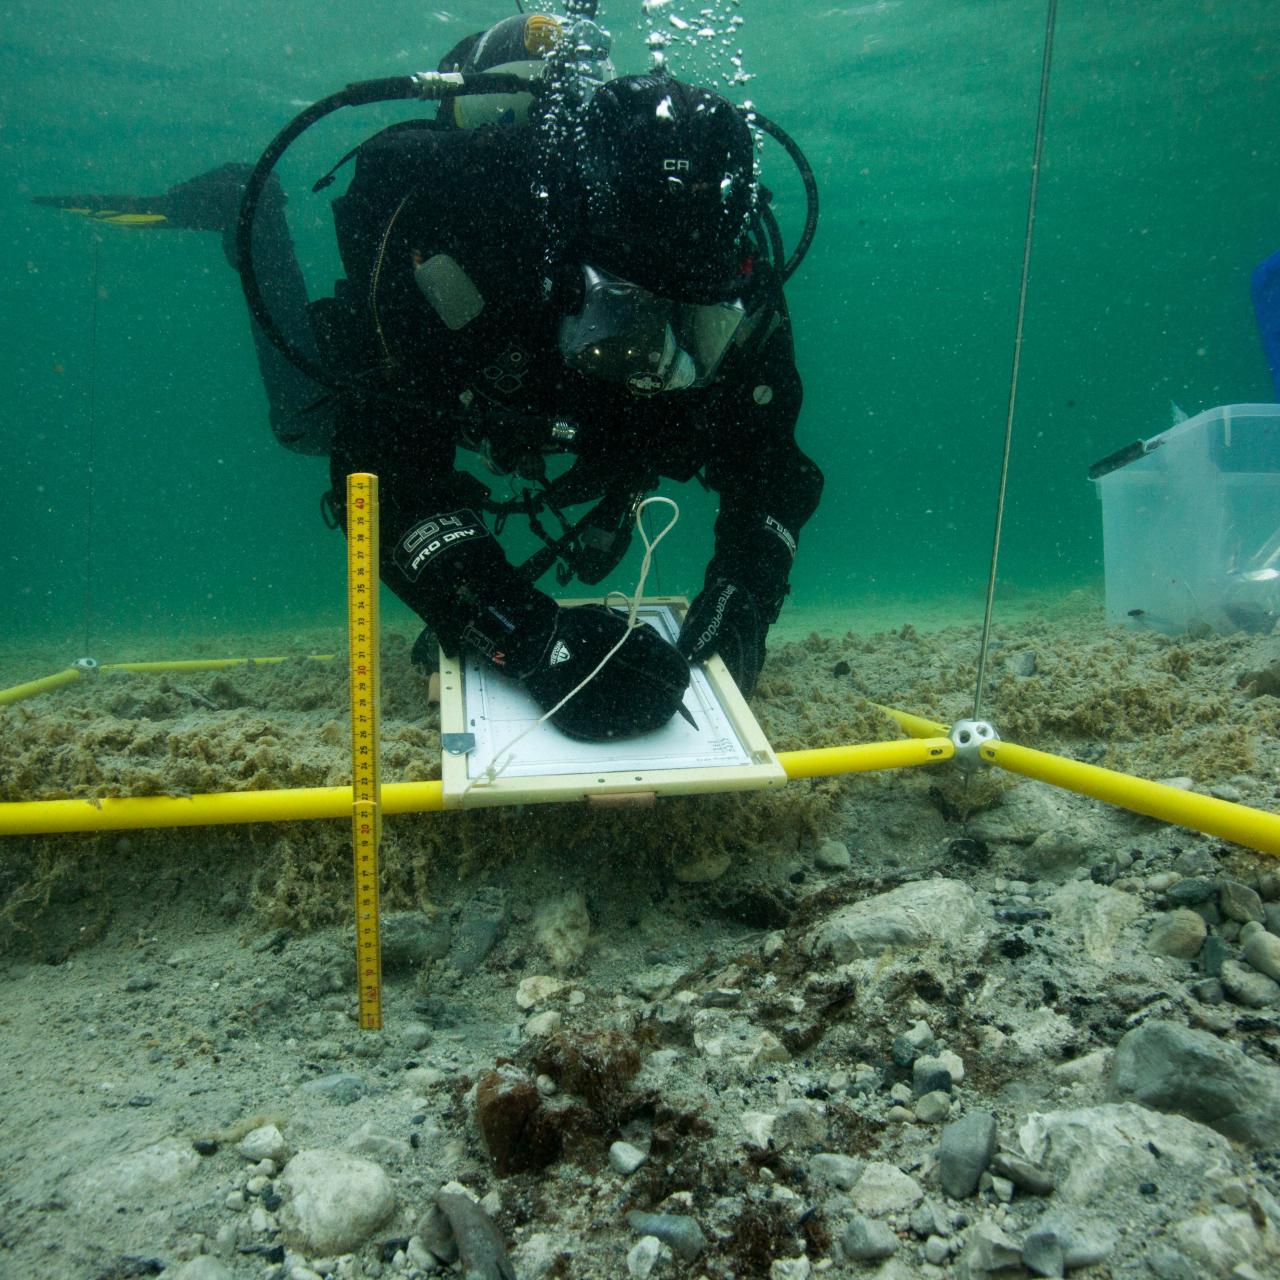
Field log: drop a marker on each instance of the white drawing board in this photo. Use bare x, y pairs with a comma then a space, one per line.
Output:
483, 712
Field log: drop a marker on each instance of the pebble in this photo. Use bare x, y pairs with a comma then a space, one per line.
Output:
1024, 1175
677, 1230
542, 1025
333, 1201
964, 1152
1247, 986
624, 1158
1179, 934
990, 1249
1237, 901
1193, 890
840, 1171
263, 1143
936, 1250
203, 1268
934, 1107
929, 1075
1262, 951
791, 1268
1213, 955
538, 990
1042, 1254
865, 1240
884, 1188
1226, 791
833, 855
341, 1089
643, 1256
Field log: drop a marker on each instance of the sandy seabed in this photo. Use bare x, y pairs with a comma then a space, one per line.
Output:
166, 993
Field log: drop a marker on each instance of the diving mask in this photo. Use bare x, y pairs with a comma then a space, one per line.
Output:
624, 333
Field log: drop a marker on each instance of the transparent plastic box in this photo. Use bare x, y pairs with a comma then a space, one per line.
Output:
1191, 524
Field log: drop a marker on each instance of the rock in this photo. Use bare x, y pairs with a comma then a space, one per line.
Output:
866, 1240
145, 1173
204, 1267
883, 1188
840, 1171
964, 1152
1098, 1155
757, 1128
1168, 1264
644, 1256
989, 1249
562, 927
1213, 955
1084, 1242
934, 1107
790, 1268
543, 1024
1092, 915
936, 1250
414, 1036
1179, 934
929, 1074
1022, 813
484, 921
681, 1232
411, 939
537, 990
1024, 1175
624, 1158
333, 1201
1237, 901
1247, 986
832, 855
1262, 951
1207, 991
1042, 1254
1173, 1068
800, 1124
1218, 1243
911, 916
264, 1143
341, 1089
1192, 891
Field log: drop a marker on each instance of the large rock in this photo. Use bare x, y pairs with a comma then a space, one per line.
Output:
1169, 1067
333, 1202
1098, 1155
907, 918
965, 1151
136, 1175
1092, 916
884, 1188
1218, 1243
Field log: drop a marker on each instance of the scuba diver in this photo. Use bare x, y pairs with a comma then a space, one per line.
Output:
562, 261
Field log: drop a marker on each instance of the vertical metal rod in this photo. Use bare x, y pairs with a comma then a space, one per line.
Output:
87, 624
1050, 22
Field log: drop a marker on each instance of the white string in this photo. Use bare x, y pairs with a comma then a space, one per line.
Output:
502, 758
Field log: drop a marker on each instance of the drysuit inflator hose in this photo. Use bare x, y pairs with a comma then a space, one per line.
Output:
433, 86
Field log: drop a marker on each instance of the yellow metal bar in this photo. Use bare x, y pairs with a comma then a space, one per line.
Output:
212, 664
862, 758
29, 690
364, 640
1239, 823
916, 726
133, 813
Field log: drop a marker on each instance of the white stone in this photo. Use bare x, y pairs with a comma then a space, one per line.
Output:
643, 1256
155, 1168
757, 1128
538, 990
833, 855
624, 1158
911, 916
839, 1170
1099, 1154
884, 1188
266, 1142
791, 1268
204, 1267
562, 927
333, 1201
1092, 916
543, 1024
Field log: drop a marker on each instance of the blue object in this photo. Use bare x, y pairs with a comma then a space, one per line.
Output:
1266, 306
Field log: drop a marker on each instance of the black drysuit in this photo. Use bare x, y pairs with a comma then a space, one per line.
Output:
472, 195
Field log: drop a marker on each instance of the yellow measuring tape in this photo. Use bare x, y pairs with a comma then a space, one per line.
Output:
366, 779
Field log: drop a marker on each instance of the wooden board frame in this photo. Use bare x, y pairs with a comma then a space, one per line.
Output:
760, 769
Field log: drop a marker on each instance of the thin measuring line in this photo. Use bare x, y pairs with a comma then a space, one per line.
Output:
1050, 22
92, 443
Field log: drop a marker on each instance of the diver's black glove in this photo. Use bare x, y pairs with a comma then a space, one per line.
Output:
639, 689
727, 619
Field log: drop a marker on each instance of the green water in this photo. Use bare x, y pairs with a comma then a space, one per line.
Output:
142, 489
